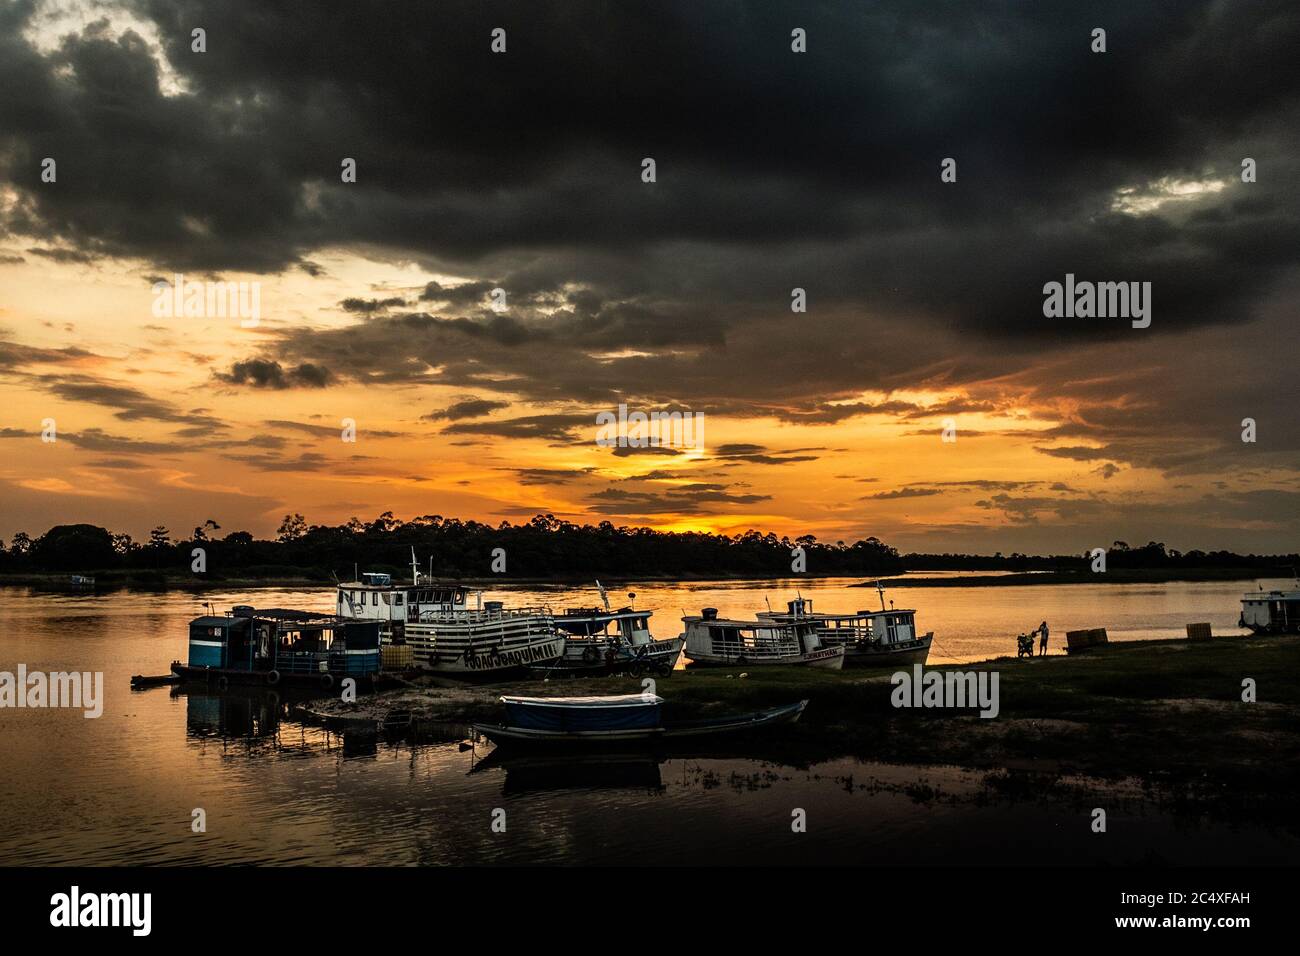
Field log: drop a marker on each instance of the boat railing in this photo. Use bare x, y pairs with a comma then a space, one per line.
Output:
780, 644
480, 616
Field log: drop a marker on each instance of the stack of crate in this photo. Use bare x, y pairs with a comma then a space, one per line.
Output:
1077, 641
1199, 632
396, 657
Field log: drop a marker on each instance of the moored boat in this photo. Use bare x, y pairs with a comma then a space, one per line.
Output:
450, 629
251, 646
712, 641
884, 638
1271, 612
601, 639
619, 719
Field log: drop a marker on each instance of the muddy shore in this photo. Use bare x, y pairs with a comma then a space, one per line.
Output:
1168, 713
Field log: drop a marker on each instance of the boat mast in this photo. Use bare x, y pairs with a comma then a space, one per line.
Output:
415, 569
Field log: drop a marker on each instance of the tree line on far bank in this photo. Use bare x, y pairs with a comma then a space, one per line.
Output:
543, 547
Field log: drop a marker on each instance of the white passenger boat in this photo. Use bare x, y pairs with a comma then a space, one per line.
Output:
451, 630
718, 642
1271, 612
601, 639
884, 638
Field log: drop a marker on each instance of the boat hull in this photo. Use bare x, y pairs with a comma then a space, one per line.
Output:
226, 676
913, 652
487, 659
577, 660
525, 737
827, 658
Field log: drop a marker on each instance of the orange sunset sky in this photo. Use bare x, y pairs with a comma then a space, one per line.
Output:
924, 298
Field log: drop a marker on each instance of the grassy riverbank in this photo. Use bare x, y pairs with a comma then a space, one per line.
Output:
1168, 713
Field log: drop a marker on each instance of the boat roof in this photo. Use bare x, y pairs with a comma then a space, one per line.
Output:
760, 622
599, 612
1274, 595
617, 700
213, 621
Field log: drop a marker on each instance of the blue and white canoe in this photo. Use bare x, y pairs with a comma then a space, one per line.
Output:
615, 719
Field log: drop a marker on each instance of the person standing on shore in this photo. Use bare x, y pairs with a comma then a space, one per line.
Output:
1042, 644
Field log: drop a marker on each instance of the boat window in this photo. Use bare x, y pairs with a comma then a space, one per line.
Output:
400, 596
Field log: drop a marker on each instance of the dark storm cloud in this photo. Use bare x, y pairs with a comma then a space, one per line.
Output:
264, 373
695, 499
129, 404
901, 493
370, 306
775, 170
822, 165
470, 408
559, 427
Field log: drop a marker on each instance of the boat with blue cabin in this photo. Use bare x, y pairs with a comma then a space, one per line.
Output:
279, 645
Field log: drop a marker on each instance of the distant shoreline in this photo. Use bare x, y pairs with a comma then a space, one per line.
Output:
118, 580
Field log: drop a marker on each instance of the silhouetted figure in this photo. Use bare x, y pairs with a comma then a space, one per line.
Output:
1042, 643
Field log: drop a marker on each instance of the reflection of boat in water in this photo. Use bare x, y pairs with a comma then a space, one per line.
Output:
712, 641
1271, 612
884, 638
268, 647
622, 719
531, 771
234, 714
605, 639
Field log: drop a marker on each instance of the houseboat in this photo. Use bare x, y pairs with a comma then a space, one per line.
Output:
269, 647
622, 719
884, 638
597, 639
1271, 612
718, 642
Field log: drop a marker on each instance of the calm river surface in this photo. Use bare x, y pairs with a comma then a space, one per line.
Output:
121, 789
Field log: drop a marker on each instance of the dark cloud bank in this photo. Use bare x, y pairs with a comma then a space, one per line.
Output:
775, 170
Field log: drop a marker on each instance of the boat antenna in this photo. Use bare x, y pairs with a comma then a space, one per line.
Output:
604, 597
767, 601
415, 568
881, 588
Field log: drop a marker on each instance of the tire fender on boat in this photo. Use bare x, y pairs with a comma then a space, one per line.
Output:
327, 681
273, 677
223, 682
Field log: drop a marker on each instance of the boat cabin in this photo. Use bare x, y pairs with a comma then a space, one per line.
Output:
1271, 611
884, 628
285, 641
632, 627
755, 641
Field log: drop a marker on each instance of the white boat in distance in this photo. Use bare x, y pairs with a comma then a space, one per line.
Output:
447, 634
884, 638
712, 641
1271, 612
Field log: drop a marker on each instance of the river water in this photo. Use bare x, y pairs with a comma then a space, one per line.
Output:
123, 789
